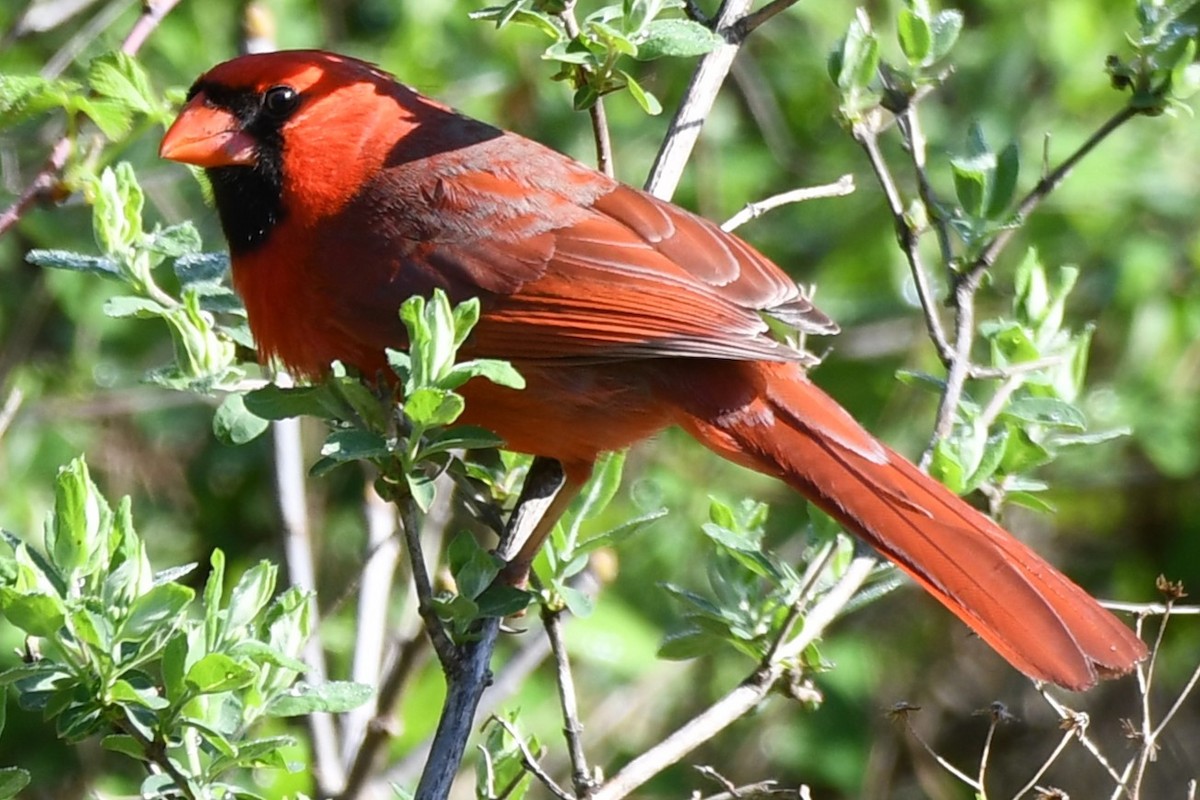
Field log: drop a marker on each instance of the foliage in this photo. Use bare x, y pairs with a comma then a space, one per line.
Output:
744, 587
113, 649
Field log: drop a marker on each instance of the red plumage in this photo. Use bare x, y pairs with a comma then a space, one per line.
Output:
342, 193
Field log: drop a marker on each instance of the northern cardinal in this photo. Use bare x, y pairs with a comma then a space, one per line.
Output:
342, 193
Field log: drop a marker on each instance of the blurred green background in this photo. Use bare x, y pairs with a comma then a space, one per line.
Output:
1126, 511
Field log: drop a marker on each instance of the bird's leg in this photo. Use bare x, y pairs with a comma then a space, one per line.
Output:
549, 488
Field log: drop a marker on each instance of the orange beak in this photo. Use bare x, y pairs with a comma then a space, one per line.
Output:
208, 137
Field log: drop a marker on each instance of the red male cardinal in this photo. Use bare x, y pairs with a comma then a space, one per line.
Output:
342, 193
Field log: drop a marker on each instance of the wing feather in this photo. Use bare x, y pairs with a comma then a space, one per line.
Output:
570, 267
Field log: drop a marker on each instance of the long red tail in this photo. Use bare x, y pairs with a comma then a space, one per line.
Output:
769, 417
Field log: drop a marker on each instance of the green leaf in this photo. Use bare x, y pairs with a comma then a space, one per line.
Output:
126, 745
12, 781
423, 490
120, 77
114, 119
201, 268
76, 262
1004, 182
82, 519
1045, 411
620, 533
214, 620
946, 466
125, 306
334, 697
989, 460
431, 407
234, 424
500, 373
648, 102
262, 653
161, 607
580, 604
462, 437
174, 662
972, 176
945, 28
691, 642
217, 672
473, 568
276, 402
916, 38
675, 38
859, 55
123, 691
23, 97
351, 445
251, 595
502, 601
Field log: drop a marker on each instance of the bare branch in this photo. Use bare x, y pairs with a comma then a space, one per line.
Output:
866, 134
12, 404
742, 699
531, 763
470, 675
382, 726
751, 22
842, 187
375, 588
446, 650
697, 102
581, 776
1043, 188
1067, 736
290, 479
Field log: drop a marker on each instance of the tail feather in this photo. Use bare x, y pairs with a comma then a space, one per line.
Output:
1028, 611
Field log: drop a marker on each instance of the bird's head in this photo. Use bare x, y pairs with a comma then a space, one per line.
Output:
290, 133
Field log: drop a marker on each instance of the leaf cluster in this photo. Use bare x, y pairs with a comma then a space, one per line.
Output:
118, 650
590, 59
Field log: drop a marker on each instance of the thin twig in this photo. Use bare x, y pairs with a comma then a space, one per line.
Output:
1178, 704
1019, 368
942, 762
1150, 609
1044, 187
156, 757
471, 674
1080, 721
382, 726
12, 404
698, 98
749, 23
531, 763
1145, 678
914, 137
581, 776
372, 624
1058, 751
290, 478
46, 182
446, 650
867, 136
742, 699
812, 574
842, 187
600, 134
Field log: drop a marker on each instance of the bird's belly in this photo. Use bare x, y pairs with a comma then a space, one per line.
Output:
569, 413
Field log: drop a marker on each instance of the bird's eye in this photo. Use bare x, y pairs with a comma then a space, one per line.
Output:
280, 101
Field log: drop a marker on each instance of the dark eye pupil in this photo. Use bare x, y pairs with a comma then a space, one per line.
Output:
279, 101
